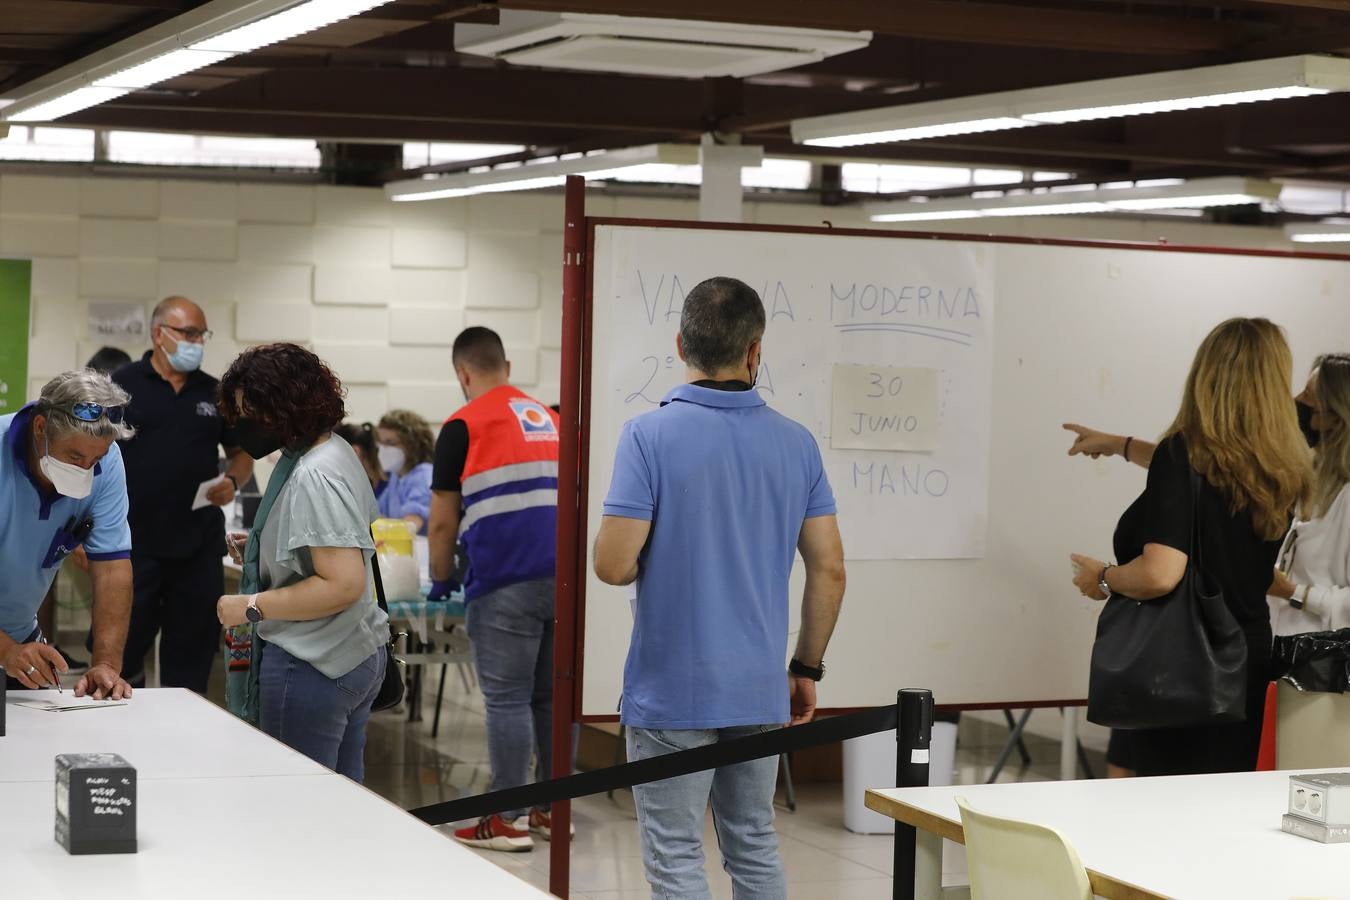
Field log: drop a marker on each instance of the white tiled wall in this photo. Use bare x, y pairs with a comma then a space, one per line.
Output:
379, 289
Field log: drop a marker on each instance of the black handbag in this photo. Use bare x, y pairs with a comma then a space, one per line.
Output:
1175, 661
391, 691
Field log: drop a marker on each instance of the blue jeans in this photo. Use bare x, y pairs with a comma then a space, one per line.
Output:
323, 718
511, 631
670, 815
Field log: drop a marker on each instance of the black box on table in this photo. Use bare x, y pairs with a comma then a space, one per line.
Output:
95, 803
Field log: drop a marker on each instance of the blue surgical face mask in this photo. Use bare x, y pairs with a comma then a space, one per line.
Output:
187, 357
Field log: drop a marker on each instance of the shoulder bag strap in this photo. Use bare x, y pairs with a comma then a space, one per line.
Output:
379, 582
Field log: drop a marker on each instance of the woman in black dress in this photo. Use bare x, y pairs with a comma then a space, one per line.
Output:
1239, 432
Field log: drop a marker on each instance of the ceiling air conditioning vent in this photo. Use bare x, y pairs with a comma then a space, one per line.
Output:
666, 47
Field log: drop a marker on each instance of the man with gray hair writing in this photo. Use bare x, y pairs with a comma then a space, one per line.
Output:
62, 485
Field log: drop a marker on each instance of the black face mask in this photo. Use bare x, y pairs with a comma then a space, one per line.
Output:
1305, 414
256, 440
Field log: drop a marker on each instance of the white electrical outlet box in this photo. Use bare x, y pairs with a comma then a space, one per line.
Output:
1321, 798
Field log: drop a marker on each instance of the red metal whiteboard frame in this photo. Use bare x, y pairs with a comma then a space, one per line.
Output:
585, 354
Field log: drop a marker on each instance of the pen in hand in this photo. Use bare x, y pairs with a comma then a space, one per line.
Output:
56, 676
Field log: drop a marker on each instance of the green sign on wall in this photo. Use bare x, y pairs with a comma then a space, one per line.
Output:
16, 277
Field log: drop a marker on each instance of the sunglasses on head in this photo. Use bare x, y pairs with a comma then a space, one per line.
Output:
92, 412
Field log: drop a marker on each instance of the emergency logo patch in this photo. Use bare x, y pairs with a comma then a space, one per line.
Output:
535, 422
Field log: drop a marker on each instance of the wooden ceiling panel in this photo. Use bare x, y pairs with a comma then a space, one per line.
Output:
392, 74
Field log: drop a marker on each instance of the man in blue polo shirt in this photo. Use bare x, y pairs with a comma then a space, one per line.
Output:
62, 485
712, 496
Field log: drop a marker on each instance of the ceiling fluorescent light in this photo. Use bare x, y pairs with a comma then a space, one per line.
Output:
1024, 208
1195, 194
1321, 233
208, 34
63, 104
1247, 82
285, 25
161, 68
1132, 95
914, 122
535, 175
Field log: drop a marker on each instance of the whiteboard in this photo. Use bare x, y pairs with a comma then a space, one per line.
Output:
1097, 334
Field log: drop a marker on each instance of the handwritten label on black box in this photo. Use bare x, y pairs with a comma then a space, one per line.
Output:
95, 803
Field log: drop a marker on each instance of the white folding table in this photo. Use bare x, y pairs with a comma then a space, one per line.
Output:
1197, 836
164, 733
223, 811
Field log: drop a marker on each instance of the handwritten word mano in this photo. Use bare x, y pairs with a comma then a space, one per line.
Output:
881, 479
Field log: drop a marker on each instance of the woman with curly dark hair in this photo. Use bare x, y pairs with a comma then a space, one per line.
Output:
307, 562
406, 448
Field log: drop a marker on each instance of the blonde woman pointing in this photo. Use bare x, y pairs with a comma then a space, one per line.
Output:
1234, 459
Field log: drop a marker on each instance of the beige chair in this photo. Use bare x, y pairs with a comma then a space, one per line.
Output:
1012, 860
1312, 729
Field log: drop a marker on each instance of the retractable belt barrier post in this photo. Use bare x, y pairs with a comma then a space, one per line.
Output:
684, 762
913, 731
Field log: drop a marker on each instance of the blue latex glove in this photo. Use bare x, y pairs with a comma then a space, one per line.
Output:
442, 589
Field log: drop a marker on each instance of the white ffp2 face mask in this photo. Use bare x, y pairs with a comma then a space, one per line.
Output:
391, 458
69, 480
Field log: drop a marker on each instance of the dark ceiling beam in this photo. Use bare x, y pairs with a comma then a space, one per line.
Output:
174, 5
27, 55
265, 124
1327, 40
975, 158
928, 64
939, 20
1152, 154
580, 102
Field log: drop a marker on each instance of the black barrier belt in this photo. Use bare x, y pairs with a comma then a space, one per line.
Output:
683, 762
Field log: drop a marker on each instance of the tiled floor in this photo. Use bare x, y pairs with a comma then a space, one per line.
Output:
823, 861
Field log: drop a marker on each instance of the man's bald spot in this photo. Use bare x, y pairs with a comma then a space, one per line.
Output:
178, 311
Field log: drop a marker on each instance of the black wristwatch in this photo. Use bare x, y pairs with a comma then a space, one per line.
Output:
233, 481
802, 670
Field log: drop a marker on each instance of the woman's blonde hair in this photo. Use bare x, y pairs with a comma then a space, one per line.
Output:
413, 433
1331, 469
1241, 429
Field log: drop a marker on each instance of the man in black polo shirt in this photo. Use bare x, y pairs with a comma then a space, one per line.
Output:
176, 550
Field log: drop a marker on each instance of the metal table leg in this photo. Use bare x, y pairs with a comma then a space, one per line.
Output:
1013, 739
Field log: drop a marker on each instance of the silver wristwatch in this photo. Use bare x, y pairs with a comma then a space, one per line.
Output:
1101, 581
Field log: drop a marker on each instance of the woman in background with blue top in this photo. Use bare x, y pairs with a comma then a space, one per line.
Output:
306, 586
406, 449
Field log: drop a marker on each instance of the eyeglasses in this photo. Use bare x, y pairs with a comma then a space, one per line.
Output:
92, 412
192, 334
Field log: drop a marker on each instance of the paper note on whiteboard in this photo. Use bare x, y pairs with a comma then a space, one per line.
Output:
884, 408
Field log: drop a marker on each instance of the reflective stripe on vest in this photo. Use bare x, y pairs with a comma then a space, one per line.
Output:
509, 487
505, 503
505, 474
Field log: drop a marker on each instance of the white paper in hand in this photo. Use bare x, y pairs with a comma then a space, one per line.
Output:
200, 500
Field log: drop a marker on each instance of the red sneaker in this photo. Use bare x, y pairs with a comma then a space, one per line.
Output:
541, 823
495, 833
